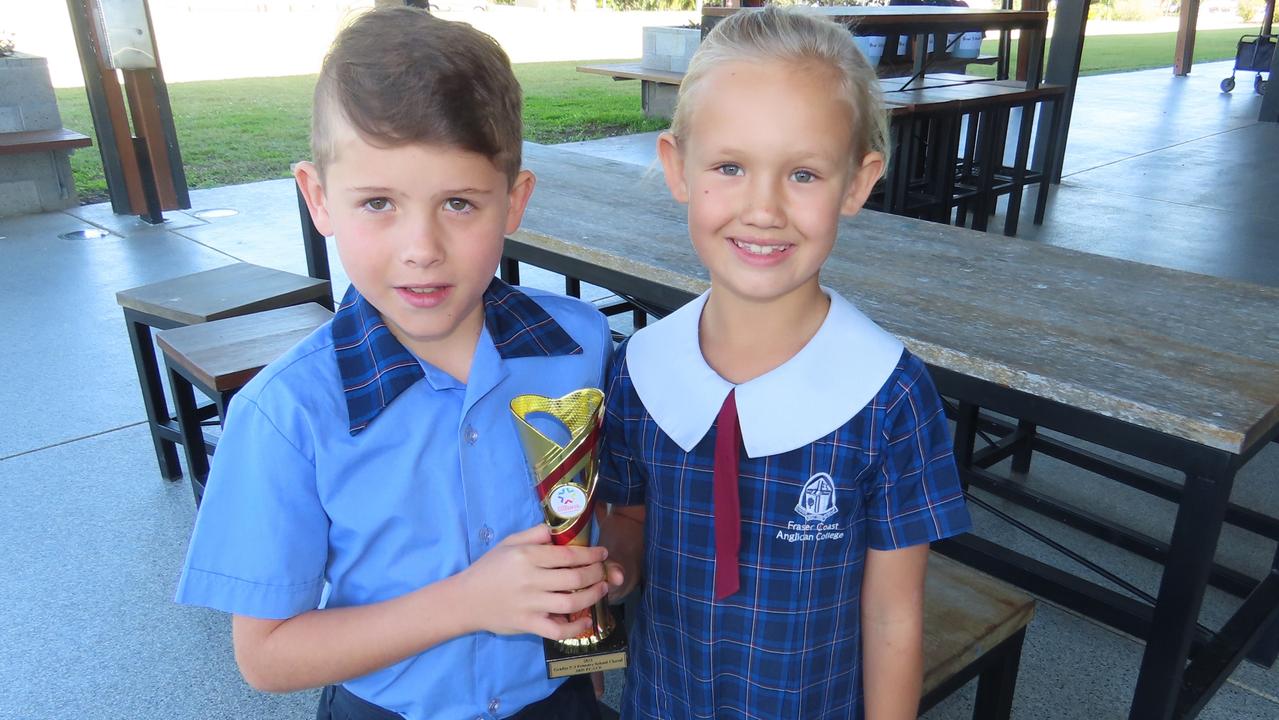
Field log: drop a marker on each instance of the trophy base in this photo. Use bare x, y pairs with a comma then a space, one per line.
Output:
608, 654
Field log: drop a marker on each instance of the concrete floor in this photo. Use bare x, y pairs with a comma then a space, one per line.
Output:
1160, 170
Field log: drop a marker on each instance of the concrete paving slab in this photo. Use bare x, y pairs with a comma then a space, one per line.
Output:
1122, 115
261, 228
101, 215
1229, 244
91, 630
1191, 173
68, 365
638, 149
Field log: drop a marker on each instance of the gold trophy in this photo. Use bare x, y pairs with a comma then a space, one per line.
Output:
564, 477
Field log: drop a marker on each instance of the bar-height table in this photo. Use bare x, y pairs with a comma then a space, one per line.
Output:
1178, 369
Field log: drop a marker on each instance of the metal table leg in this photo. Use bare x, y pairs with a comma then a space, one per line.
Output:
1181, 591
157, 408
192, 434
997, 683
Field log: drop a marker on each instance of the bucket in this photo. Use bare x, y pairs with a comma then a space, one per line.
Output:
968, 46
872, 46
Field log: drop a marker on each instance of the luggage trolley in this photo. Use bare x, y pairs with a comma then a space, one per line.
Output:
1253, 54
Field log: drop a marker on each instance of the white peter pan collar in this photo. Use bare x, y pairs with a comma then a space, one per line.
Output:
808, 397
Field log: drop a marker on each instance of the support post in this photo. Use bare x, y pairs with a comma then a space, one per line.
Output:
1187, 27
1064, 55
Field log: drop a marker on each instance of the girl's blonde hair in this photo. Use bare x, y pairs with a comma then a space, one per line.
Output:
796, 36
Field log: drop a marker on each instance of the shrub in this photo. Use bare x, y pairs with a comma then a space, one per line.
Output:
652, 4
1121, 10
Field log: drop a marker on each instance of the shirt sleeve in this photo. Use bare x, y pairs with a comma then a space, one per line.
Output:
260, 542
621, 479
917, 497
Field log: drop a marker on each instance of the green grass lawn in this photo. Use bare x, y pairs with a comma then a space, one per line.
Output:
237, 131
1116, 53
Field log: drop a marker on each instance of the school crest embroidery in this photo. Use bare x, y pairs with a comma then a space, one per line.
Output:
817, 498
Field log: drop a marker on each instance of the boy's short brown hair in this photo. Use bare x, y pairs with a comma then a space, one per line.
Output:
398, 75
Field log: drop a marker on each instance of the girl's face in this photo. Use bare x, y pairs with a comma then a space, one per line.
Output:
766, 171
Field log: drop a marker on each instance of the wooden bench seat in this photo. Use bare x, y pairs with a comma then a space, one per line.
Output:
974, 626
31, 141
220, 357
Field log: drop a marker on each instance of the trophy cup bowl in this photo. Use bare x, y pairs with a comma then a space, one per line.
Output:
564, 477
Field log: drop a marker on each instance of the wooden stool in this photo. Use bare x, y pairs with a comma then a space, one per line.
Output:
982, 168
198, 298
219, 358
974, 626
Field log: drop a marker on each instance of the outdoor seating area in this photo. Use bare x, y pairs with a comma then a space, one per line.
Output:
1088, 266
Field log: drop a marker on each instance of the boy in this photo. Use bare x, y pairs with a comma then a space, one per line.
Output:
369, 519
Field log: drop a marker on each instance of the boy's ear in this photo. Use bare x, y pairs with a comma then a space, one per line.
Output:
672, 157
868, 174
518, 199
308, 178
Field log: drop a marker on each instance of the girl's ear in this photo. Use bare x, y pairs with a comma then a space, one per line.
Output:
672, 157
868, 174
308, 179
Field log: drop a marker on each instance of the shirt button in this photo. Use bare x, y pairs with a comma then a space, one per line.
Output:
471, 435
494, 704
486, 535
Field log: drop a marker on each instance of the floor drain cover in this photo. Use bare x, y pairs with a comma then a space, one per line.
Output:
215, 213
90, 234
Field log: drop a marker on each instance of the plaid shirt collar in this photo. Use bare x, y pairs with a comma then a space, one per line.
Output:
833, 377
375, 367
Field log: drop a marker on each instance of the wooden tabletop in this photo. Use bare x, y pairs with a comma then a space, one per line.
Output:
919, 18
966, 614
633, 71
931, 80
969, 97
1189, 355
222, 292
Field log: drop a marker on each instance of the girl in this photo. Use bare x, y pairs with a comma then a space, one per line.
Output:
777, 462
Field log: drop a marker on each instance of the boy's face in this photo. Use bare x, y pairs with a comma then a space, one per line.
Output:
766, 173
419, 230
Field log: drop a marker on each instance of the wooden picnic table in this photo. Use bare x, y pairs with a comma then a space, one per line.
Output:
1178, 369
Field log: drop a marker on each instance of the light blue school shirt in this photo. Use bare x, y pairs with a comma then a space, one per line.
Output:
349, 462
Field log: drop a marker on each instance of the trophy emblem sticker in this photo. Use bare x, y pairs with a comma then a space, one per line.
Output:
564, 476
567, 502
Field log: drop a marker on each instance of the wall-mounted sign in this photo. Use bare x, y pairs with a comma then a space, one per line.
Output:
124, 34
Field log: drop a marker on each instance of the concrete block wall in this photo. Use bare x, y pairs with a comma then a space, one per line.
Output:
31, 182
669, 48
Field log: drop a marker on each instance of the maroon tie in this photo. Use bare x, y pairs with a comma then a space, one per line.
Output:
728, 513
